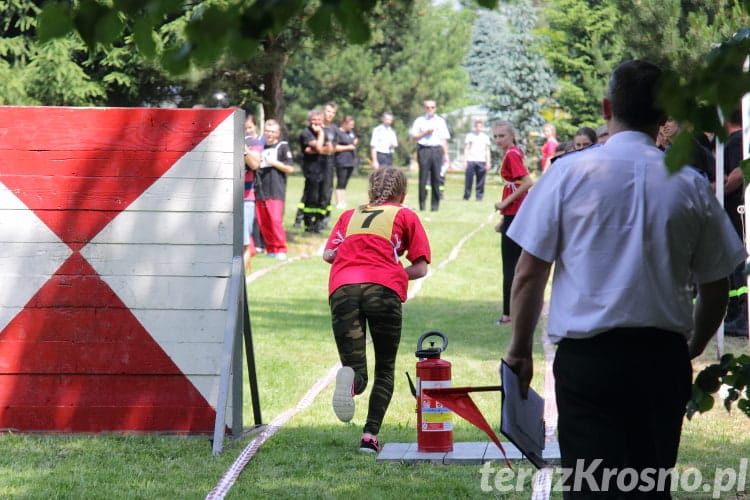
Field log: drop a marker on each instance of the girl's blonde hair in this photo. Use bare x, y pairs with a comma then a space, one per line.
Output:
509, 127
387, 184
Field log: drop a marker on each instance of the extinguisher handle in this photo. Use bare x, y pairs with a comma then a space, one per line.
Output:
431, 352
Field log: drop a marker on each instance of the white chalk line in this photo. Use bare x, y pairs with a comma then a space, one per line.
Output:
232, 474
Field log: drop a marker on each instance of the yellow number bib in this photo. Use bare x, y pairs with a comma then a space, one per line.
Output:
376, 220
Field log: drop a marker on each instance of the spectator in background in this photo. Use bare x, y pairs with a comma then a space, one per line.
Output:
517, 184
329, 160
382, 143
736, 323
346, 158
703, 159
431, 134
253, 147
550, 145
585, 137
311, 141
275, 164
477, 158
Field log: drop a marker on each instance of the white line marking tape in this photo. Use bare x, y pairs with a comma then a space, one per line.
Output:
230, 476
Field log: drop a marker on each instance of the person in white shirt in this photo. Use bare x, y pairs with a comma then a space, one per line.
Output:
431, 134
628, 239
382, 142
477, 158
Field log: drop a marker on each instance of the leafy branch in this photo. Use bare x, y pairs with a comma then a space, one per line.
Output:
734, 372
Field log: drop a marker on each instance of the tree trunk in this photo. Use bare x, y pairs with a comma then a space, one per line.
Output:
273, 78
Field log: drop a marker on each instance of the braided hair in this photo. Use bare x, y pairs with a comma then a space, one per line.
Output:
387, 184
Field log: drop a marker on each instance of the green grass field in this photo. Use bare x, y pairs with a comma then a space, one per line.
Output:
314, 455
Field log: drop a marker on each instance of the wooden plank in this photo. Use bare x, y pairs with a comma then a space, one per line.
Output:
123, 164
133, 357
158, 259
112, 418
169, 292
198, 358
89, 324
183, 324
171, 195
108, 129
19, 259
138, 292
179, 228
87, 390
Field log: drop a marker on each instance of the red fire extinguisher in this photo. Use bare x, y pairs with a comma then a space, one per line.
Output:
434, 421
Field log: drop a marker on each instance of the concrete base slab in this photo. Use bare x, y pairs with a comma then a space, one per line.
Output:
463, 453
466, 453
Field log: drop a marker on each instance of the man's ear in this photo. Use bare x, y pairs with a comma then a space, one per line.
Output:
606, 109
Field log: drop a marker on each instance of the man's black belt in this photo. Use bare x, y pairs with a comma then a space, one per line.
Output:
427, 147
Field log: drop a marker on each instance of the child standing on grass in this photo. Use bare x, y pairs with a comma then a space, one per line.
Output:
270, 193
367, 286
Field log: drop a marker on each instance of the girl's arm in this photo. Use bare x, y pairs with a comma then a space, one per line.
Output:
525, 185
329, 255
417, 269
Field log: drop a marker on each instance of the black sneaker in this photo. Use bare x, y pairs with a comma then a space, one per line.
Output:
369, 444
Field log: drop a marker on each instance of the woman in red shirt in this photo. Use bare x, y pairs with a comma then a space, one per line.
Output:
517, 184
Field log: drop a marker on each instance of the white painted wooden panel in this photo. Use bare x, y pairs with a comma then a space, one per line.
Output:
23, 259
158, 259
202, 358
178, 228
203, 165
183, 194
169, 292
220, 140
180, 325
19, 224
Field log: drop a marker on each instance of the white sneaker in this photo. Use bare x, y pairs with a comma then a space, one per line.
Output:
341, 206
343, 394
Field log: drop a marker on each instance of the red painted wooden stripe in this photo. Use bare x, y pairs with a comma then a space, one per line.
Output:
70, 419
106, 129
81, 163
68, 324
80, 193
89, 390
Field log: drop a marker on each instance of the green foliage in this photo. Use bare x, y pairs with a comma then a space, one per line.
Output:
700, 98
676, 34
732, 371
506, 71
216, 25
413, 54
35, 73
582, 54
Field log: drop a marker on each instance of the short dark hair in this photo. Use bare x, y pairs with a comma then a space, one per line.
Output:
632, 91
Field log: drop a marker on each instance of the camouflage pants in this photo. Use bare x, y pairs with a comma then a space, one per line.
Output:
353, 307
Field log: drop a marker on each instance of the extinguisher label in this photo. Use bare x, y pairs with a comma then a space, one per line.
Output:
435, 417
